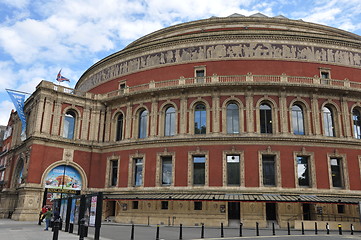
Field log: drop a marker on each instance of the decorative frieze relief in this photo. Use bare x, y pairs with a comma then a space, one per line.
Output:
225, 51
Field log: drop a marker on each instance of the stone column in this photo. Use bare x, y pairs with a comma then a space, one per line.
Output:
56, 119
108, 119
47, 116
101, 124
283, 113
347, 126
249, 112
85, 125
315, 115
128, 122
39, 114
183, 114
153, 117
215, 112
94, 125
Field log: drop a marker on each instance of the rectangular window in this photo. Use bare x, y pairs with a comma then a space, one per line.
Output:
303, 171
135, 204
268, 168
138, 172
200, 76
325, 77
197, 205
199, 170
114, 173
166, 170
122, 86
233, 170
341, 208
164, 205
336, 172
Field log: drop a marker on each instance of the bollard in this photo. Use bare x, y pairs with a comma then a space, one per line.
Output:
202, 231
56, 229
40, 220
180, 231
132, 232
339, 229
157, 234
240, 229
316, 228
288, 228
82, 229
327, 228
273, 229
222, 233
352, 228
303, 229
257, 230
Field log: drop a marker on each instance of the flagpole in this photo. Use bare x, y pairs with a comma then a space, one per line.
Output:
17, 91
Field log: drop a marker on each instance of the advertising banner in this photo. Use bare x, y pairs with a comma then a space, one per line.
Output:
72, 211
63, 177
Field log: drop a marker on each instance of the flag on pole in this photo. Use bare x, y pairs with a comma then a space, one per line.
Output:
60, 78
18, 101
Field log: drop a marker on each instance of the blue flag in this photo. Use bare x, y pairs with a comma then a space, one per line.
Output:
18, 101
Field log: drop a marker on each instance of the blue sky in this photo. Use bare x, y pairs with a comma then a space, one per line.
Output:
40, 37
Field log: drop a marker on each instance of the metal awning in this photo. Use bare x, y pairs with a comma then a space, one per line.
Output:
233, 197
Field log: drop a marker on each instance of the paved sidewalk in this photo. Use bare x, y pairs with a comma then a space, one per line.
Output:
19, 230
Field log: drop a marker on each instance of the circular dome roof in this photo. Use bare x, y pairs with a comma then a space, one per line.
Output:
152, 49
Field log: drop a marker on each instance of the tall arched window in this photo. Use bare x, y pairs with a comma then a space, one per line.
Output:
169, 123
356, 116
265, 118
232, 118
143, 121
119, 133
328, 122
69, 124
298, 120
200, 119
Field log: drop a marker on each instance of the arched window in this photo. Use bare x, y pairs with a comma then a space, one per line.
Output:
356, 116
265, 118
232, 118
169, 123
69, 124
298, 120
328, 121
119, 133
200, 119
19, 172
143, 121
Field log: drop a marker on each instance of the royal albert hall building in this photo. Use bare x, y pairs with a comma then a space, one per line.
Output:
251, 119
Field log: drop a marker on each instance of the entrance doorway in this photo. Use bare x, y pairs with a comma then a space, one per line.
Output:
234, 211
271, 213
111, 205
306, 209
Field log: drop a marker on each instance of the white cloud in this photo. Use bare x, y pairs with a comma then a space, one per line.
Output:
7, 76
16, 3
5, 110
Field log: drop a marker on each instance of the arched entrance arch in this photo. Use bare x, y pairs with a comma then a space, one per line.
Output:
62, 179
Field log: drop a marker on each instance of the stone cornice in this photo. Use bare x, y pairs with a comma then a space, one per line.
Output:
243, 139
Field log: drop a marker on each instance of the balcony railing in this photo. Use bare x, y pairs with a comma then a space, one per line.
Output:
215, 79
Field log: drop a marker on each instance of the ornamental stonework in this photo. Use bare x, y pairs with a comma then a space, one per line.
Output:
225, 51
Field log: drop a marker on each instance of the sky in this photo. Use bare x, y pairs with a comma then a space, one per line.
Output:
40, 37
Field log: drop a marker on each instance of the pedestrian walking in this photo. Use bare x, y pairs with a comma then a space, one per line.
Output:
47, 216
